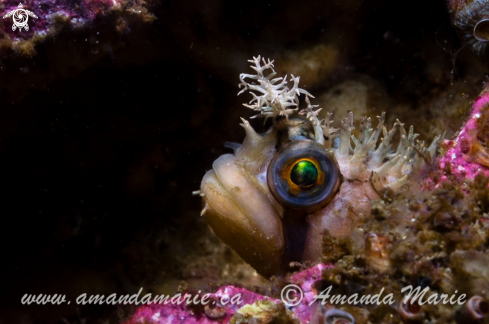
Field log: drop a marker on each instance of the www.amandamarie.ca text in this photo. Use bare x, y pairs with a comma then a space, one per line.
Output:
114, 299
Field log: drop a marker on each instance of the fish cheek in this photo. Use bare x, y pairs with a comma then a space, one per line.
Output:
346, 211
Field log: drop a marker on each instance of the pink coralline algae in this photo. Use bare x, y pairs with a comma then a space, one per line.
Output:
305, 280
467, 154
219, 308
217, 312
54, 16
48, 12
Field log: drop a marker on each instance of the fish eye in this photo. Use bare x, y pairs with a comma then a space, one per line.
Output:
303, 176
481, 30
304, 173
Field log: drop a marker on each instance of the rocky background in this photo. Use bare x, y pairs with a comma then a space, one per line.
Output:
106, 130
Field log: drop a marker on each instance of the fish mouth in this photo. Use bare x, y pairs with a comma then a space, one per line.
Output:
240, 214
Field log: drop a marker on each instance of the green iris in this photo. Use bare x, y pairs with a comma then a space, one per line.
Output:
304, 173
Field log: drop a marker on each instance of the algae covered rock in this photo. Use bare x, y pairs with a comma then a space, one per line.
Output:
264, 312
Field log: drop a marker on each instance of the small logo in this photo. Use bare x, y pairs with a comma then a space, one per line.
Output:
291, 295
20, 17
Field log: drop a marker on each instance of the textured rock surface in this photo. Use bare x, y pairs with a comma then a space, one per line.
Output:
55, 16
215, 312
250, 309
467, 153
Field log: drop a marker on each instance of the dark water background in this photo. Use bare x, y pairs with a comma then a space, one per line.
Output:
97, 163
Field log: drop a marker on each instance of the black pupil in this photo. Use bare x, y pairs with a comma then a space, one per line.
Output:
304, 173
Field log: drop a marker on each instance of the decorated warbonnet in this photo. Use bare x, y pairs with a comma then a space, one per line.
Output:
274, 199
